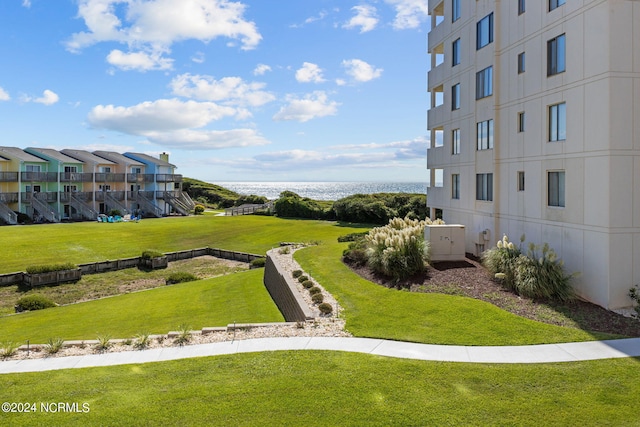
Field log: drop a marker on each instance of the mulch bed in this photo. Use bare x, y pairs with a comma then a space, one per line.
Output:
469, 278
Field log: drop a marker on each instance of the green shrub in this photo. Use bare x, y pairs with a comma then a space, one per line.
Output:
104, 342
150, 254
296, 273
198, 210
53, 345
115, 212
184, 335
180, 277
8, 349
501, 262
325, 308
398, 250
634, 294
291, 205
302, 278
37, 269
258, 262
352, 237
380, 208
284, 250
141, 341
534, 275
35, 302
317, 298
308, 284
315, 290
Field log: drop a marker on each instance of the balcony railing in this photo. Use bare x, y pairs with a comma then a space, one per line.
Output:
140, 177
9, 176
84, 196
76, 177
8, 197
165, 177
109, 177
39, 176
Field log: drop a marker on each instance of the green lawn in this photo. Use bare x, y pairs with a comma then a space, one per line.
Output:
239, 297
91, 241
313, 388
374, 311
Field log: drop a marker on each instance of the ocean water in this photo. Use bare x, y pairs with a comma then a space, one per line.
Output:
322, 190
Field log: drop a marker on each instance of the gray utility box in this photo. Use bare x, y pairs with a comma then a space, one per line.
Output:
447, 242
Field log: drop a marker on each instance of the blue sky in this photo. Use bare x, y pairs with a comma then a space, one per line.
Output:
286, 90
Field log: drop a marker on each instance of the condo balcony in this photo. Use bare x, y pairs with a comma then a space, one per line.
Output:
8, 176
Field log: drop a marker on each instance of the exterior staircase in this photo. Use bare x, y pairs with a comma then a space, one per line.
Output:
7, 214
43, 208
177, 204
148, 206
114, 203
83, 208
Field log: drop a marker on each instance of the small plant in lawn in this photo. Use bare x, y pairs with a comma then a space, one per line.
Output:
325, 308
634, 294
184, 335
53, 345
308, 284
315, 290
8, 349
285, 250
198, 210
317, 298
104, 342
141, 340
302, 278
180, 277
296, 273
35, 302
258, 262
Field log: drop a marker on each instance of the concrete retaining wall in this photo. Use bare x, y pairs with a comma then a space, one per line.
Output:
284, 292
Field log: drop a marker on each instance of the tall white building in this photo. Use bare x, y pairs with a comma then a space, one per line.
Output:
534, 122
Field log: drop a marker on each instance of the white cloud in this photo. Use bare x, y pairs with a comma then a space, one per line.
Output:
360, 71
140, 61
174, 123
312, 106
208, 139
26, 3
261, 69
309, 73
365, 18
230, 90
409, 13
198, 58
153, 26
4, 95
158, 116
48, 98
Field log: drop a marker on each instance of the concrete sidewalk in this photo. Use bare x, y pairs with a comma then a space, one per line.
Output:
545, 353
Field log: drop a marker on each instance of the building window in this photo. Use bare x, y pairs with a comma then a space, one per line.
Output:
455, 10
439, 177
455, 186
556, 55
32, 168
455, 141
484, 31
484, 187
521, 121
557, 122
555, 3
484, 83
521, 63
521, 7
520, 180
455, 53
455, 97
555, 183
484, 135
439, 137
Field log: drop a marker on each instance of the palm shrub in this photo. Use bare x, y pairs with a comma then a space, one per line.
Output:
8, 349
501, 262
53, 345
398, 250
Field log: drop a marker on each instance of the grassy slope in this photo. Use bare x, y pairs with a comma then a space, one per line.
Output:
322, 388
219, 301
374, 311
92, 241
